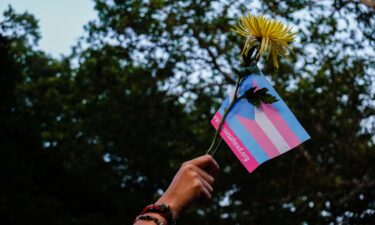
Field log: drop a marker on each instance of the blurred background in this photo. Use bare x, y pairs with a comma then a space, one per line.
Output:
101, 102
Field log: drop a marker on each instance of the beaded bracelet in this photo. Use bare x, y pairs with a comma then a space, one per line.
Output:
148, 218
163, 210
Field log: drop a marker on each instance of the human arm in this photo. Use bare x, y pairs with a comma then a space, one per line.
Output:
191, 182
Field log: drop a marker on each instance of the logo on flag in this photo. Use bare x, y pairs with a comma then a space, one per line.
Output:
256, 135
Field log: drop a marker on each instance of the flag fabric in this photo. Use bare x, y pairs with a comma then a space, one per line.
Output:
256, 135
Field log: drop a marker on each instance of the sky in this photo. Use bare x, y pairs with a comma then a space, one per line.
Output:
60, 21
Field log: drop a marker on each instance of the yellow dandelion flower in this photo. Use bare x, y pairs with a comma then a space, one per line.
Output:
266, 35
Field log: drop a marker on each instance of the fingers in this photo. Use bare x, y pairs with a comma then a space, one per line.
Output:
206, 176
206, 194
205, 189
206, 181
199, 180
207, 186
206, 161
197, 173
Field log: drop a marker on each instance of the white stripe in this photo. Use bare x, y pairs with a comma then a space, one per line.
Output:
272, 133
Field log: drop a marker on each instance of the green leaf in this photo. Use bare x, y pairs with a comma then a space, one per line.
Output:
256, 97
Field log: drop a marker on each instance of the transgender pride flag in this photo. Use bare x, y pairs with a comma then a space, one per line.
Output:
256, 135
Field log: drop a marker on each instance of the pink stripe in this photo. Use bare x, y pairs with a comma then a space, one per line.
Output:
280, 124
235, 144
259, 136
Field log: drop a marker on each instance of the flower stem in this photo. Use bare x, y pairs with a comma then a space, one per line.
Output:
226, 111
248, 60
217, 147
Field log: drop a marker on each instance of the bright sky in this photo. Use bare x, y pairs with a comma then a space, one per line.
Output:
60, 21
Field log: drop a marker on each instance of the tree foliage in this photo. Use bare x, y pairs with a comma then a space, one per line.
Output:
92, 137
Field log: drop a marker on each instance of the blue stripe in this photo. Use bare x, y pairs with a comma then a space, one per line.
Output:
242, 108
283, 109
249, 142
224, 105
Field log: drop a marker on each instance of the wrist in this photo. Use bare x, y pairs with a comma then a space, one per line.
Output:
161, 214
157, 216
169, 201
